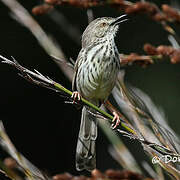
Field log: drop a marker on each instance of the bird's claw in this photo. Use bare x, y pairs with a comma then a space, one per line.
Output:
116, 120
76, 96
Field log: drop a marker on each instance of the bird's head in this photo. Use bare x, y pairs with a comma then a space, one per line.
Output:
101, 29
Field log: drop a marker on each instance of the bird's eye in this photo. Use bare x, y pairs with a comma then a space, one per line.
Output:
103, 24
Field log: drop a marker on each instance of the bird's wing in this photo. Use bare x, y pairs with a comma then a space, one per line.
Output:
76, 66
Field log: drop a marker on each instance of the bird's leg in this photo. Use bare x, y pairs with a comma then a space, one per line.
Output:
76, 96
116, 120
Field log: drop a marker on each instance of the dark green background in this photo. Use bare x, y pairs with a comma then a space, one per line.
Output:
38, 121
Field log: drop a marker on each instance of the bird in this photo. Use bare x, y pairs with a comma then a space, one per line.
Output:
95, 74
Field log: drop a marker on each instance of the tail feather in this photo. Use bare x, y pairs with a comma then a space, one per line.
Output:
85, 152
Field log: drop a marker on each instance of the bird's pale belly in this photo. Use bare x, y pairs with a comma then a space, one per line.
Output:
98, 83
100, 92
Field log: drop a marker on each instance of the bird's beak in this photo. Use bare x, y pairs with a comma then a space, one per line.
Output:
119, 20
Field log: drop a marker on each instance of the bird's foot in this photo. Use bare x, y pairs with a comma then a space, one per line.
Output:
76, 96
116, 120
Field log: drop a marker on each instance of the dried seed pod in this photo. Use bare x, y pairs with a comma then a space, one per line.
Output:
10, 163
123, 175
159, 17
138, 59
175, 58
97, 174
171, 12
53, 2
111, 173
84, 3
79, 178
65, 176
42, 9
142, 7
169, 51
149, 49
165, 50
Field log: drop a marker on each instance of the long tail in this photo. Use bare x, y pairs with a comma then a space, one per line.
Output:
85, 152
